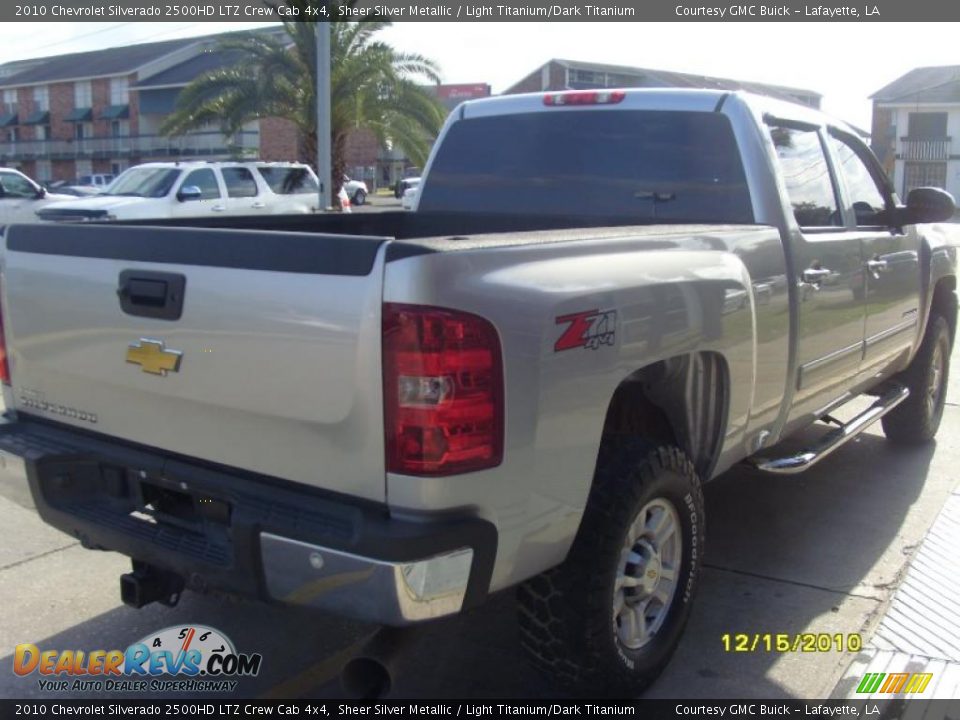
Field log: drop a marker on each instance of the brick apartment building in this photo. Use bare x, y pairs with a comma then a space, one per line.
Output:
100, 111
575, 75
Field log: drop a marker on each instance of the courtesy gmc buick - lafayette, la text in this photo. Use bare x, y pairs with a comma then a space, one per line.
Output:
603, 299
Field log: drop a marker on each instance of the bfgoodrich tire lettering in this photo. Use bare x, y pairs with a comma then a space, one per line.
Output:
568, 615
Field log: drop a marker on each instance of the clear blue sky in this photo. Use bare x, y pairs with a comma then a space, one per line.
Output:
843, 61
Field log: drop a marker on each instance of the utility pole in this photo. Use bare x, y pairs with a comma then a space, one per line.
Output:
324, 171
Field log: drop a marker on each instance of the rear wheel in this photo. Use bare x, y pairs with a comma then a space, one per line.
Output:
917, 418
609, 618
359, 198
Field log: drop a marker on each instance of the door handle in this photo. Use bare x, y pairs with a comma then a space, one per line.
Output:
258, 205
814, 276
877, 266
218, 208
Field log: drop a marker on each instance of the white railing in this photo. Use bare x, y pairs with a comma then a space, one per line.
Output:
925, 149
142, 146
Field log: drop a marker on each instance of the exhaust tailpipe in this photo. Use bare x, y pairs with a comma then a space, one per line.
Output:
147, 584
371, 673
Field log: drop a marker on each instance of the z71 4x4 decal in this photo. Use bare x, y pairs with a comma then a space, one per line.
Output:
589, 329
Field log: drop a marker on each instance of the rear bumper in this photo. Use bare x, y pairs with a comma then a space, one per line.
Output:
225, 529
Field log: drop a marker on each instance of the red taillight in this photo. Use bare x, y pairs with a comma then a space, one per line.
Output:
584, 97
443, 391
4, 366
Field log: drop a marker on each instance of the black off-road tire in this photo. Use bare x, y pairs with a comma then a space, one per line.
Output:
917, 418
567, 619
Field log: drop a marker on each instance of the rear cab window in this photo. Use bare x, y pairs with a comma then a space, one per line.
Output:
649, 166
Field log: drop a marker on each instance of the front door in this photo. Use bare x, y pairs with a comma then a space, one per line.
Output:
827, 262
890, 279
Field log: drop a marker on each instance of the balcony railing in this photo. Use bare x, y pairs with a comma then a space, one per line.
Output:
925, 149
133, 146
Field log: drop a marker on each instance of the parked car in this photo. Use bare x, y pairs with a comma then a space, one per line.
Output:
356, 190
196, 189
405, 184
97, 180
62, 187
21, 197
409, 199
399, 187
604, 300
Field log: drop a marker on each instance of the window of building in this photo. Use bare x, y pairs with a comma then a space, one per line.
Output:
43, 132
807, 176
83, 130
865, 193
119, 91
118, 166
82, 94
120, 128
84, 167
13, 135
206, 181
41, 98
10, 101
927, 125
44, 171
239, 182
919, 174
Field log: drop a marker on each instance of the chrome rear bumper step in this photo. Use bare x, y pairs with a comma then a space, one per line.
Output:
834, 439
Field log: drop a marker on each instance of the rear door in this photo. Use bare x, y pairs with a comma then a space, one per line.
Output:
243, 193
252, 349
890, 277
827, 258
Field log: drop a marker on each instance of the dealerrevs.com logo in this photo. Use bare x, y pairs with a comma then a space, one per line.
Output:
179, 659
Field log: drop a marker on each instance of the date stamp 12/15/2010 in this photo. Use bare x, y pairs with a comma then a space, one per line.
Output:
791, 642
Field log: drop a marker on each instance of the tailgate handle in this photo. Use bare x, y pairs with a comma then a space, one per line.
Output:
152, 294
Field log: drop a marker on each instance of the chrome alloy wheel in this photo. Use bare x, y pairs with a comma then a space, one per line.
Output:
647, 574
935, 387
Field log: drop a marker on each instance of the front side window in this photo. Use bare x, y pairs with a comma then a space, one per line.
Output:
866, 197
806, 176
17, 186
239, 182
206, 181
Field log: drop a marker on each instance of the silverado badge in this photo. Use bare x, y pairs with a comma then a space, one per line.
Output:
152, 358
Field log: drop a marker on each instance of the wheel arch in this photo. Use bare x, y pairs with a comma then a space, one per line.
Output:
682, 401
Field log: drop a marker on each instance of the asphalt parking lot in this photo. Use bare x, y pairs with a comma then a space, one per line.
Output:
820, 552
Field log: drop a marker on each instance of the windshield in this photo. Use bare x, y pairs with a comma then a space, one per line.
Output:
289, 180
651, 166
145, 182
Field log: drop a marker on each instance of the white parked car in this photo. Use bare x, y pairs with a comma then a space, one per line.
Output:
98, 181
196, 189
21, 197
409, 199
356, 190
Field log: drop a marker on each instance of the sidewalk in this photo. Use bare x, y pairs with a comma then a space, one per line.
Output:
920, 630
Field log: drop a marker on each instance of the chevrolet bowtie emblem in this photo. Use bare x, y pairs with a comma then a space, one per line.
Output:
152, 358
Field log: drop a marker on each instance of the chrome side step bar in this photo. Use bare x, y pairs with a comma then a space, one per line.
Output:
833, 439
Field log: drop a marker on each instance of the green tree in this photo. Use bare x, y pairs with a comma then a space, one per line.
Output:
274, 75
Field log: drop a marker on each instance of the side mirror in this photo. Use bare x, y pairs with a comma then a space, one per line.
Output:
927, 205
188, 193
41, 193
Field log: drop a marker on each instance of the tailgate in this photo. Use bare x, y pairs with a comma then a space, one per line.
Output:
278, 338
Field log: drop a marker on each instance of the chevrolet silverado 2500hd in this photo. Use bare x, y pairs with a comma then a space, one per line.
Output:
604, 299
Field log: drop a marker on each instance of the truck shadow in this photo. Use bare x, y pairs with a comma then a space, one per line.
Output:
783, 556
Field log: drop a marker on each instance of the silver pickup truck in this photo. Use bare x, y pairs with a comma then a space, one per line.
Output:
604, 299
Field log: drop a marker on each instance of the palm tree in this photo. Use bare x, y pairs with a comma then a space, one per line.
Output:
371, 86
